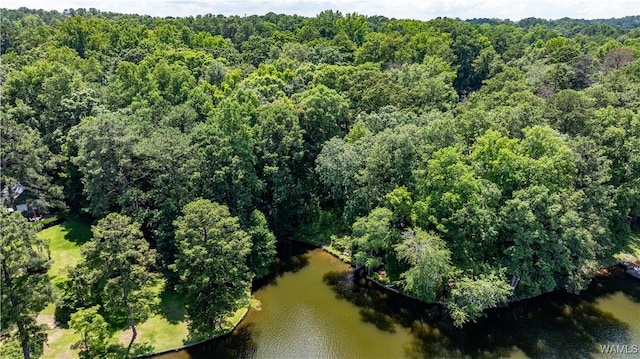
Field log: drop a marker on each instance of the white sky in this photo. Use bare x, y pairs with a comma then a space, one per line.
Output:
413, 9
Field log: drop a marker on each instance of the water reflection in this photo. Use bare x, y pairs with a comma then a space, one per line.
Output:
292, 257
559, 325
314, 307
239, 344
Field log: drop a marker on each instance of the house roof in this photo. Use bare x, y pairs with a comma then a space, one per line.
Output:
16, 190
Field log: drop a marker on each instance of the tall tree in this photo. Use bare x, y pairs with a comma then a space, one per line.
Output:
430, 262
104, 159
117, 261
25, 159
25, 288
211, 263
373, 238
280, 151
263, 245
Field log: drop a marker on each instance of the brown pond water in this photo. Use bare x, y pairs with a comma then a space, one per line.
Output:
314, 308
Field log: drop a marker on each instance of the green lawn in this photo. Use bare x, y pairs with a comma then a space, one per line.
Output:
631, 252
64, 242
166, 328
59, 342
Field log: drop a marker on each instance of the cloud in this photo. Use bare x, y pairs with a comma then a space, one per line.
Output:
424, 10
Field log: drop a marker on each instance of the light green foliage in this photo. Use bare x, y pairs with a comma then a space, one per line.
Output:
551, 161
379, 47
26, 289
267, 83
497, 159
354, 26
93, 330
358, 131
400, 202
471, 295
389, 163
513, 201
430, 264
546, 229
49, 88
426, 86
455, 201
373, 237
323, 114
515, 143
426, 43
211, 263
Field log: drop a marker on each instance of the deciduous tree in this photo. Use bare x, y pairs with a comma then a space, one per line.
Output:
211, 263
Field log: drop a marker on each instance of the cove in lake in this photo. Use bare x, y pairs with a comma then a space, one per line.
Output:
314, 308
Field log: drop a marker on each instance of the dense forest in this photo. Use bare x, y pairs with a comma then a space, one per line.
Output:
468, 163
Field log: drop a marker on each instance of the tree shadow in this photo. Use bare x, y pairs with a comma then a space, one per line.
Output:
381, 321
238, 344
78, 229
557, 324
137, 350
171, 306
291, 258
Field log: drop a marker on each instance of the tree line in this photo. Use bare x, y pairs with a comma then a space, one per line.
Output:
469, 163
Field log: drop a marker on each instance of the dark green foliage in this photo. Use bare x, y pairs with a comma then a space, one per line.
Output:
26, 289
212, 264
263, 245
483, 158
117, 268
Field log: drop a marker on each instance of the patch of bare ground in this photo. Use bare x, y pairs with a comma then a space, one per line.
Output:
125, 337
48, 320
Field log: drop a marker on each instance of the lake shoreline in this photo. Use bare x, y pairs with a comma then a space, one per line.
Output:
199, 342
381, 286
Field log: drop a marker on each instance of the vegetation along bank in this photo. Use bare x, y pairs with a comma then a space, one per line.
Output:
469, 163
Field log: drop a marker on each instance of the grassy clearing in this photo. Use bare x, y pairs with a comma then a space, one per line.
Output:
158, 332
631, 252
633, 248
165, 329
59, 342
64, 243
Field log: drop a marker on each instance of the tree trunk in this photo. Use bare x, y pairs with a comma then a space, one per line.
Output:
132, 323
24, 336
125, 297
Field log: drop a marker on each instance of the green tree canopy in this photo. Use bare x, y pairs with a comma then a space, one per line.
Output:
26, 289
211, 263
117, 261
